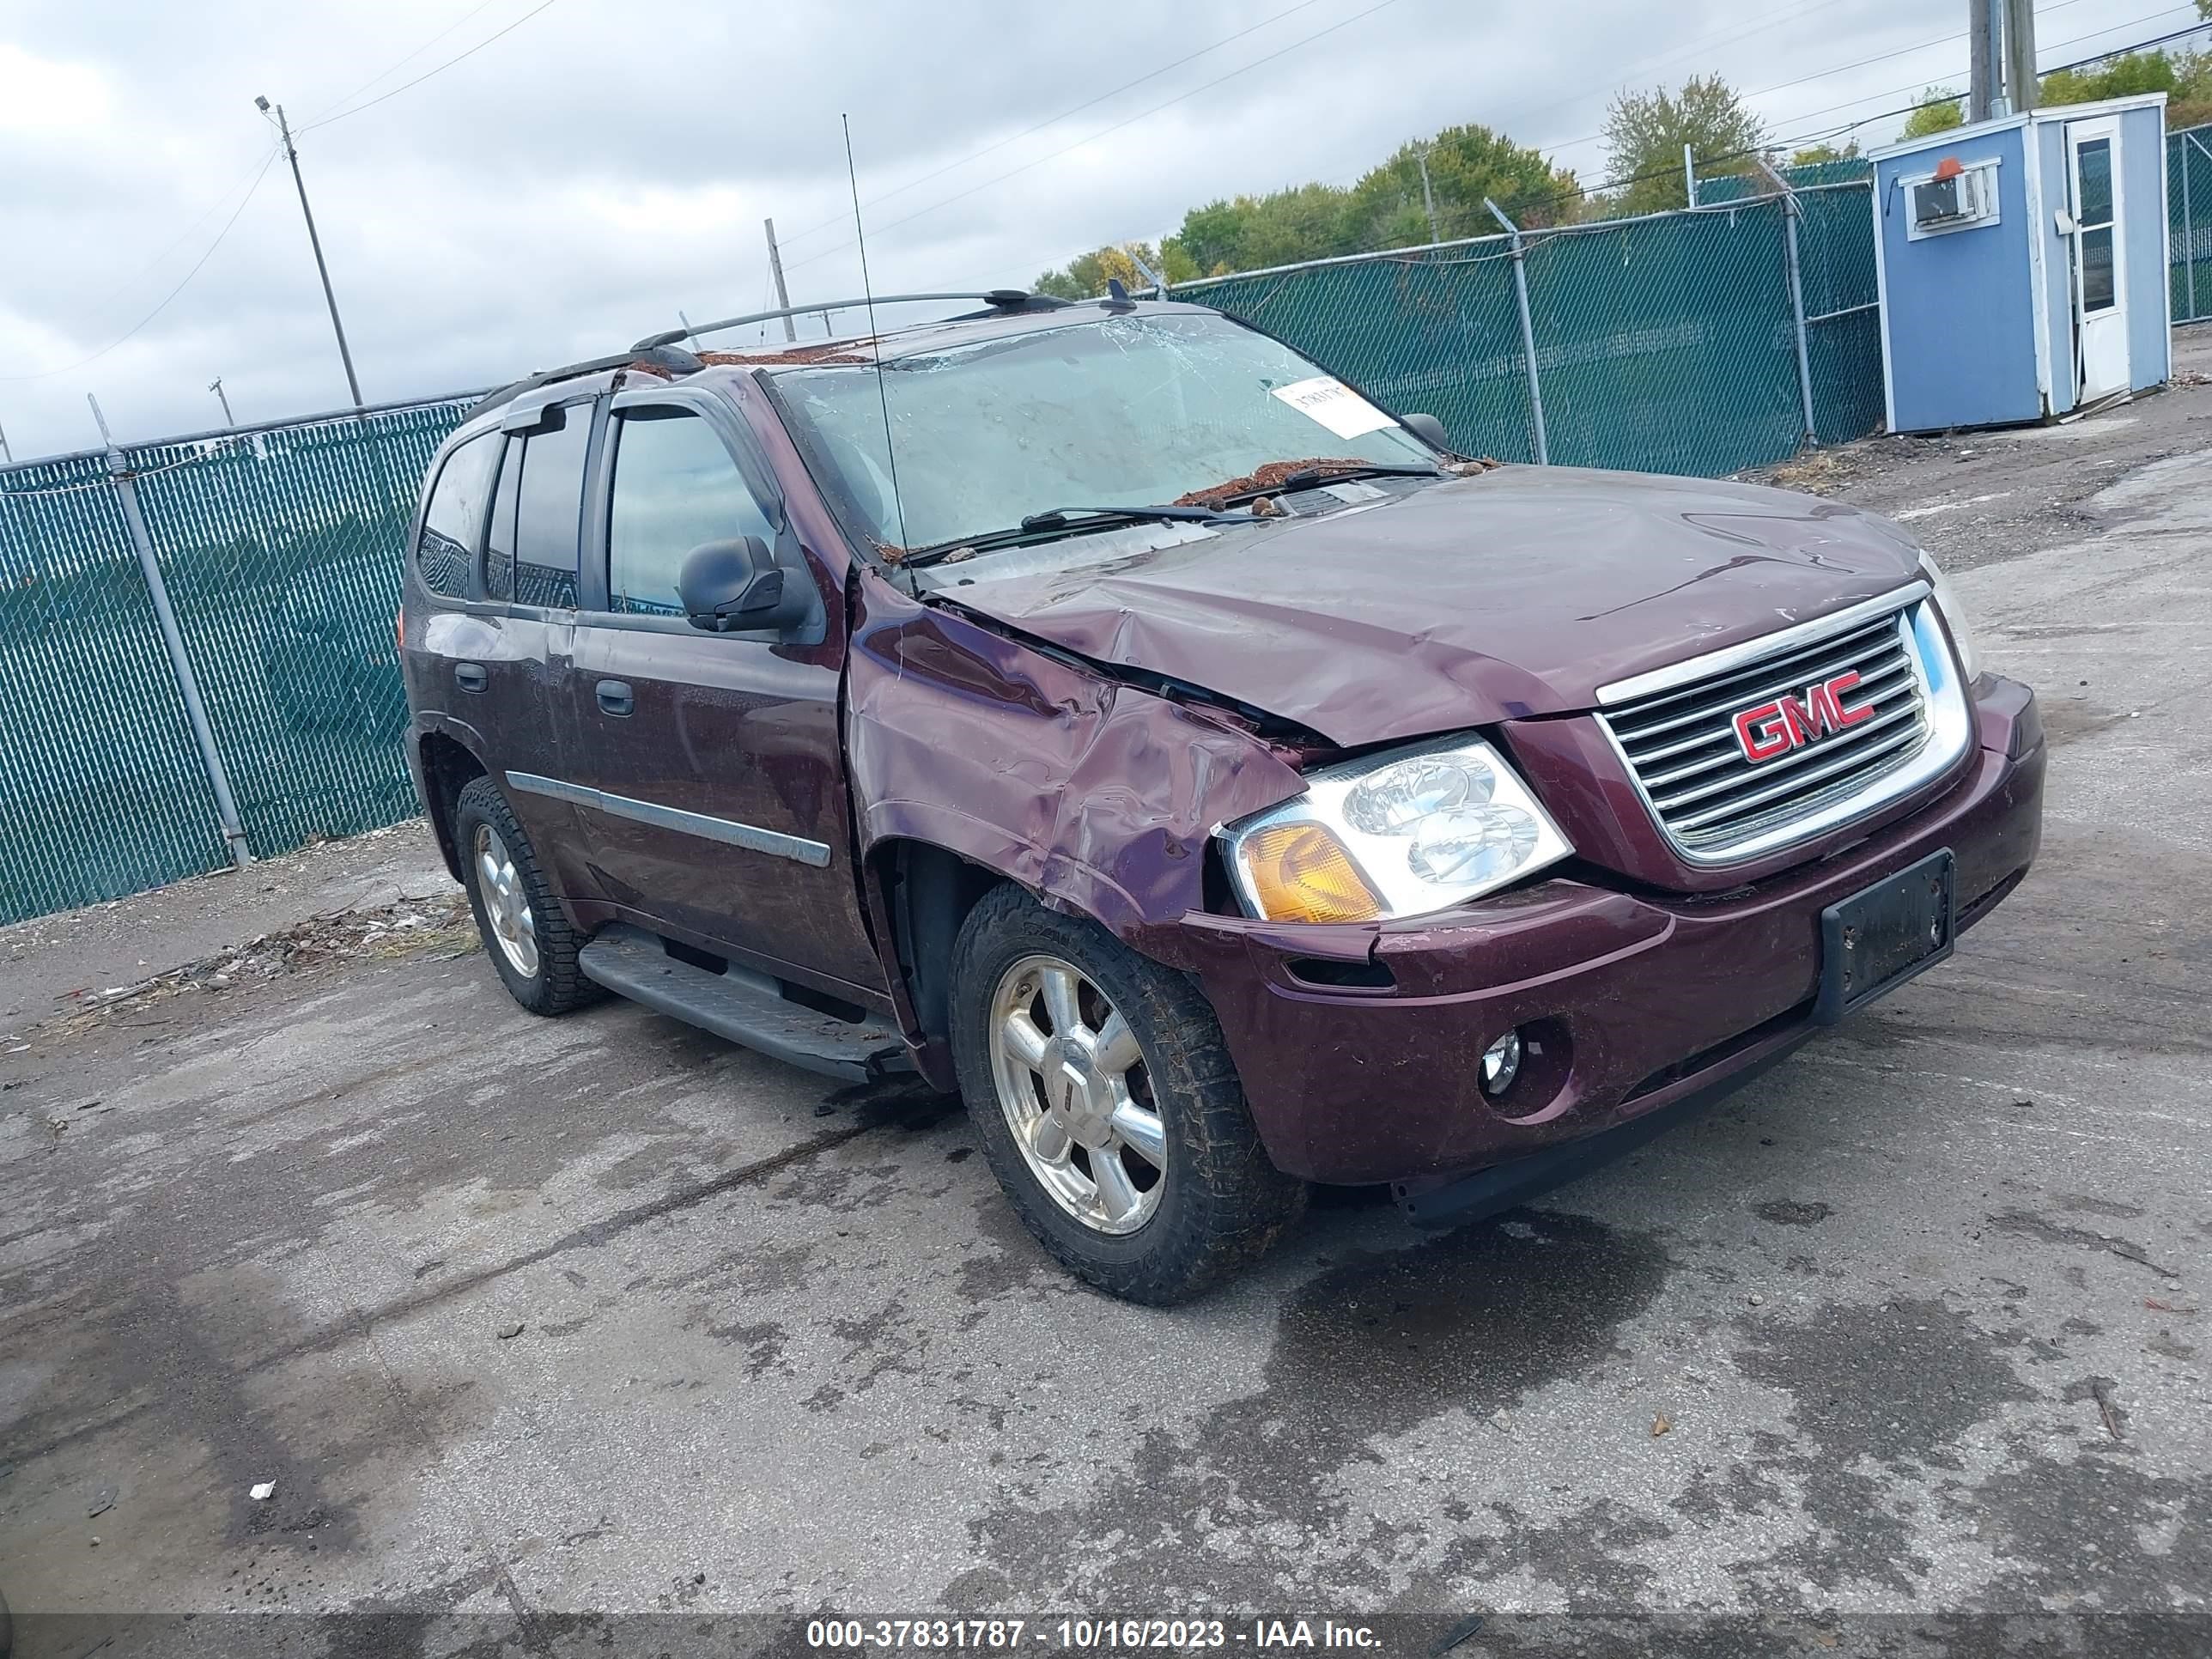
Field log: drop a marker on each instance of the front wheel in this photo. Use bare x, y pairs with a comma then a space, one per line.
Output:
1105, 1099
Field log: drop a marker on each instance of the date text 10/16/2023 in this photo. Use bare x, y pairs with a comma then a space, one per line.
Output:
1087, 1634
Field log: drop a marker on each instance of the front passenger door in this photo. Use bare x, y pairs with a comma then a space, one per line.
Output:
720, 802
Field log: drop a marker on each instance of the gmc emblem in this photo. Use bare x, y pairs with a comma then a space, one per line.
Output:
1789, 722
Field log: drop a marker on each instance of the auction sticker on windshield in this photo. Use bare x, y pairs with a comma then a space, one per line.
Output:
1334, 404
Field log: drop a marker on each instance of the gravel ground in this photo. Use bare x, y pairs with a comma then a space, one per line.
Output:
600, 1335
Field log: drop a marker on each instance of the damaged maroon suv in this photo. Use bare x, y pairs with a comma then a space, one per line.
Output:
1101, 710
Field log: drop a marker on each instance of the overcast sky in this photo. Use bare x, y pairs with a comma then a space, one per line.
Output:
576, 182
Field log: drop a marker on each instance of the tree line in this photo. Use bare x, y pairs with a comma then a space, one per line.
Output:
2186, 78
1645, 133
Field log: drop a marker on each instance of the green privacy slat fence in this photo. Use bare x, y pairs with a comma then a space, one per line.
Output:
102, 792
1741, 186
283, 559
280, 552
1666, 343
2189, 221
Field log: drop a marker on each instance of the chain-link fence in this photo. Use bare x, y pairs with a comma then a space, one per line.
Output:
1703, 341
196, 651
2189, 221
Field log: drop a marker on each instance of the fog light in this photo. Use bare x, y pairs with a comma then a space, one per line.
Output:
1501, 1064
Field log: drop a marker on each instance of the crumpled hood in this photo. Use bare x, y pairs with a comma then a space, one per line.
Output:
1513, 593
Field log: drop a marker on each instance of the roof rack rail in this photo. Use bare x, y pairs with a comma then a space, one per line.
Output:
999, 299
675, 361
662, 351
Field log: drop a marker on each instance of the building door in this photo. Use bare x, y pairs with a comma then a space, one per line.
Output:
2101, 319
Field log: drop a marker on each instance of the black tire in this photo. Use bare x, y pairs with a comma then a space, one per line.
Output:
1222, 1202
558, 985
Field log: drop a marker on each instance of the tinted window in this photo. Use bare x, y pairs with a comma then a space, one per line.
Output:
454, 519
675, 486
499, 540
548, 510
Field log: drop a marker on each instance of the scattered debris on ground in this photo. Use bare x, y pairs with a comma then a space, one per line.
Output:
442, 926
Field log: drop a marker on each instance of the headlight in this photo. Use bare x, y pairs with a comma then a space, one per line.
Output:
1395, 835
1955, 614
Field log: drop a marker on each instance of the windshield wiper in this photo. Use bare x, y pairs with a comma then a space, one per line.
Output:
1058, 521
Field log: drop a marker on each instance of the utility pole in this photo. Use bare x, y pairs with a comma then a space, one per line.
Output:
1986, 36
2021, 80
782, 294
1428, 197
6, 459
215, 386
1690, 175
292, 155
2002, 35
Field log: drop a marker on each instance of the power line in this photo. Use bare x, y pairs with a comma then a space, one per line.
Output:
1108, 131
182, 284
2117, 51
1845, 68
481, 5
176, 241
439, 69
1078, 109
1673, 169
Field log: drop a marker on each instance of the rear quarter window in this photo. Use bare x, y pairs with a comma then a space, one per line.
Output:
453, 522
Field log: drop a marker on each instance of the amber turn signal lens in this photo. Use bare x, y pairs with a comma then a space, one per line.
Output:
1301, 872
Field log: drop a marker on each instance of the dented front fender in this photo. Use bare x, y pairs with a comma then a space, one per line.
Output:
1097, 796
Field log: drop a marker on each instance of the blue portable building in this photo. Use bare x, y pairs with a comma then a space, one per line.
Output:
2021, 265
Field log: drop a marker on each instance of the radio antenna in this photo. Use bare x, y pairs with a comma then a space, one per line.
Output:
875, 341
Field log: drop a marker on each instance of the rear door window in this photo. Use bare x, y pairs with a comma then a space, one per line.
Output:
675, 487
550, 508
499, 540
453, 522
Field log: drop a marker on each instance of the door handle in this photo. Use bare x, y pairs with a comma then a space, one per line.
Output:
615, 697
472, 675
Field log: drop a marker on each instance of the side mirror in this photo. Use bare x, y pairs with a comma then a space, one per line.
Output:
1429, 429
727, 587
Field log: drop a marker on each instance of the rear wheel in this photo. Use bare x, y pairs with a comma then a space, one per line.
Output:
524, 932
1106, 1102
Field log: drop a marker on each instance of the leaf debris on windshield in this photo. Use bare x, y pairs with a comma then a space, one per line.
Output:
1269, 476
826, 351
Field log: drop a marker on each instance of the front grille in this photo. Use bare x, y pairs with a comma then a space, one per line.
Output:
1713, 803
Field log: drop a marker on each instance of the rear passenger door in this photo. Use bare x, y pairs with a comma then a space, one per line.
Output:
491, 673
531, 559
722, 808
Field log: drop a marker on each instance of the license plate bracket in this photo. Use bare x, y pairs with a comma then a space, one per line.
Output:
1876, 939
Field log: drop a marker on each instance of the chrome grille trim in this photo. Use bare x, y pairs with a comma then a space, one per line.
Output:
1692, 670
1672, 731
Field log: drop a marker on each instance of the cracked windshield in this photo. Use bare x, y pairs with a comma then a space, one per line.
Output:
1129, 411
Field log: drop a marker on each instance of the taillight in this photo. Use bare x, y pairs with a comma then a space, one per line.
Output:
400, 632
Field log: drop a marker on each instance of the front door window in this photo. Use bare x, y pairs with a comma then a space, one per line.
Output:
675, 488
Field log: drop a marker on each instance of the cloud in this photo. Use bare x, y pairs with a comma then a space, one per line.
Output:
578, 182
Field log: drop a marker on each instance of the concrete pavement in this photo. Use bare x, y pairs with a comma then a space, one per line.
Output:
1908, 1335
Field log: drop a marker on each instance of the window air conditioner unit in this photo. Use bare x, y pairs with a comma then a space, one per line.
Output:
1954, 197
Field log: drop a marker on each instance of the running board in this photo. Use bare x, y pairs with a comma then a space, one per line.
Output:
745, 1008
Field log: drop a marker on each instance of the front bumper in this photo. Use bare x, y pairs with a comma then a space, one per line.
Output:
1638, 1002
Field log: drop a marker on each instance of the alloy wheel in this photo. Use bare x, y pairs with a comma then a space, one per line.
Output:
506, 906
1072, 1084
